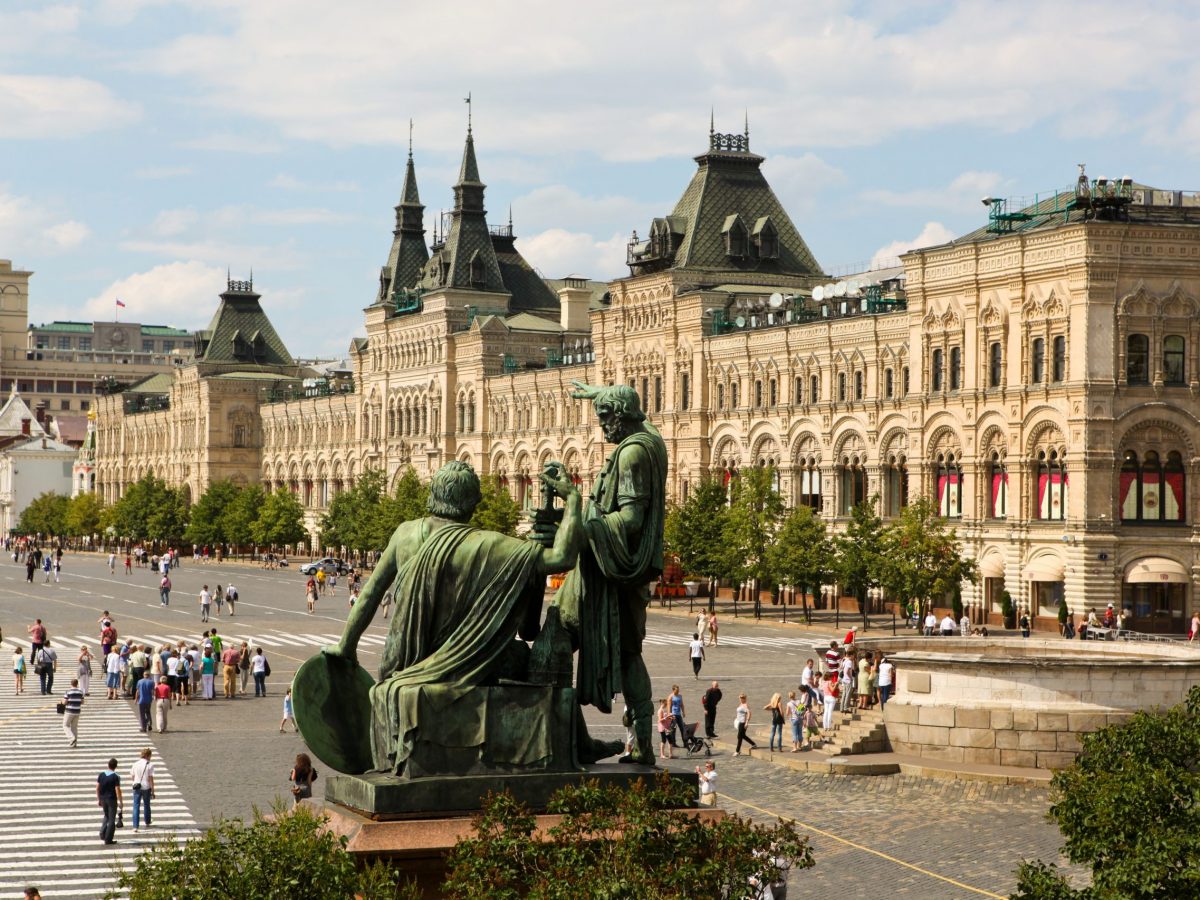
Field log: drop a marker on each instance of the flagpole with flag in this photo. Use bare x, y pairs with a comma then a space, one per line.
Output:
116, 312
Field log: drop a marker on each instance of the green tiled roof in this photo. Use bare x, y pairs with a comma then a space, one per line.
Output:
529, 322
153, 384
72, 327
240, 332
164, 331
730, 183
529, 290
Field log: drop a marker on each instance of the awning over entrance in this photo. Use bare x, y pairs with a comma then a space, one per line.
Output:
1046, 568
992, 566
1157, 570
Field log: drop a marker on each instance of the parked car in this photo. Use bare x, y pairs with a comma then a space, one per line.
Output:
331, 566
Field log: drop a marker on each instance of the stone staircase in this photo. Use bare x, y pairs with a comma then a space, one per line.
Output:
859, 731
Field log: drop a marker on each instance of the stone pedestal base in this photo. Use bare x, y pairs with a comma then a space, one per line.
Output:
418, 847
387, 797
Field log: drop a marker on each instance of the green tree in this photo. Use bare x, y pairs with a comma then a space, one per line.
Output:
209, 518
922, 558
695, 530
291, 855
612, 844
280, 520
84, 514
168, 516
859, 553
1127, 808
46, 515
497, 510
353, 519
240, 517
755, 512
146, 501
405, 504
801, 554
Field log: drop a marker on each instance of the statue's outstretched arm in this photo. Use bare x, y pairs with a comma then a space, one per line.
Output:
570, 536
368, 602
584, 391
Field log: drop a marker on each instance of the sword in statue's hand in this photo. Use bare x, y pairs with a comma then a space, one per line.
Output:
547, 518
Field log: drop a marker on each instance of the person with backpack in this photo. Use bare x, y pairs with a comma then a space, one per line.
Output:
231, 598
302, 777
46, 664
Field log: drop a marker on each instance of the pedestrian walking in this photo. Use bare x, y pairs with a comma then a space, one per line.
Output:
30, 565
46, 565
310, 593
665, 725
128, 564
58, 568
829, 699
109, 799
112, 673
696, 651
208, 669
46, 664
302, 777
141, 774
164, 590
260, 669
1194, 629
712, 627
162, 705
741, 722
708, 783
37, 636
83, 669
288, 712
18, 670
701, 622
139, 662
205, 603
794, 713
885, 677
219, 599
229, 670
709, 701
776, 709
1024, 624
847, 669
144, 694
112, 563
231, 598
243, 666
72, 705
677, 714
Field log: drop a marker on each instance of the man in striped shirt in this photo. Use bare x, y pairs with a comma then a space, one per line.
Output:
73, 701
832, 657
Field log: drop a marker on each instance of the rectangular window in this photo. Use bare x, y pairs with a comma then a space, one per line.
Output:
936, 373
147, 346
1038, 367
1058, 368
735, 399
45, 387
955, 368
720, 396
994, 359
773, 398
798, 390
841, 387
758, 394
999, 504
85, 405
64, 342
858, 385
814, 388
658, 393
168, 346
685, 390
66, 404
85, 343
1173, 347
889, 387
64, 387
1137, 359
904, 381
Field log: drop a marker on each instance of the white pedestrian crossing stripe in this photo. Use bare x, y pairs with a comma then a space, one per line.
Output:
782, 642
49, 836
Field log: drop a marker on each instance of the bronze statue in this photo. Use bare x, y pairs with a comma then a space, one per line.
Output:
604, 598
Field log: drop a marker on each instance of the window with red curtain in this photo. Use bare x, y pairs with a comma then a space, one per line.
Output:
999, 493
1151, 490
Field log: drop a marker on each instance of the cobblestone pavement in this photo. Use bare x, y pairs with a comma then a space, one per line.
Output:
972, 835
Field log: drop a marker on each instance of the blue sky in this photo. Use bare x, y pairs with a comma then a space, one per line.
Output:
150, 144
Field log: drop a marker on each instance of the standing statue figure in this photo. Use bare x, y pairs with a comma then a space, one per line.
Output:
462, 595
604, 598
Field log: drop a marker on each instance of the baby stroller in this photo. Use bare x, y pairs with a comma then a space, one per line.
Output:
694, 743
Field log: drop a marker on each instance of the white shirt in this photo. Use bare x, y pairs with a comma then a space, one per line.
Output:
931, 621
697, 649
173, 665
112, 664
964, 625
806, 676
258, 663
948, 624
885, 673
708, 782
141, 772
205, 598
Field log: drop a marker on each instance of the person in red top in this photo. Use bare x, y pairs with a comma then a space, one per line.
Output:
849, 637
162, 703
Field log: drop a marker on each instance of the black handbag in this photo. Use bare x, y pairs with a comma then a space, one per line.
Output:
266, 668
61, 708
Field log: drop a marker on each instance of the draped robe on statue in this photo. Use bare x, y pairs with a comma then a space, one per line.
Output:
603, 599
459, 601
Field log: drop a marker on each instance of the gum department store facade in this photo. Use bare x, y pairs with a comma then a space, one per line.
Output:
1038, 378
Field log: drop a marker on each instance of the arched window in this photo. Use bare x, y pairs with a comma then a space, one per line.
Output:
889, 383
854, 484
462, 415
955, 368
1137, 359
720, 396
994, 359
798, 390
772, 393
998, 481
758, 394
1038, 367
895, 484
733, 395
858, 385
1151, 490
470, 413
904, 382
814, 389
1051, 486
949, 486
658, 393
1173, 365
810, 484
936, 374
841, 386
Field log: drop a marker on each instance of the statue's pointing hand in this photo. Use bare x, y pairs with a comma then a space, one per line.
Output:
584, 391
555, 478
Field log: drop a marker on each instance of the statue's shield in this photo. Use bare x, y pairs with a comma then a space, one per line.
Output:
331, 697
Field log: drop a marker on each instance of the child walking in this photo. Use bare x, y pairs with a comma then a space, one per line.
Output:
288, 714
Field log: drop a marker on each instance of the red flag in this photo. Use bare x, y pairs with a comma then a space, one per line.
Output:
120, 304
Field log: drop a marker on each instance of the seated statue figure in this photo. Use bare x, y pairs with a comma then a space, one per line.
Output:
455, 693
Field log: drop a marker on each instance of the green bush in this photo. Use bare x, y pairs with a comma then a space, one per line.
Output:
619, 844
1007, 610
288, 857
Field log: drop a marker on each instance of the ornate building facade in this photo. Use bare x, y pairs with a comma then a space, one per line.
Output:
1038, 379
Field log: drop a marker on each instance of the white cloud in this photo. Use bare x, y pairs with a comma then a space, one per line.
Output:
931, 235
558, 252
555, 204
171, 222
20, 31
223, 252
290, 183
42, 106
183, 294
962, 193
27, 227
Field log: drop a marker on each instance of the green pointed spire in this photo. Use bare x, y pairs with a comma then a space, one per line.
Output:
468, 173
